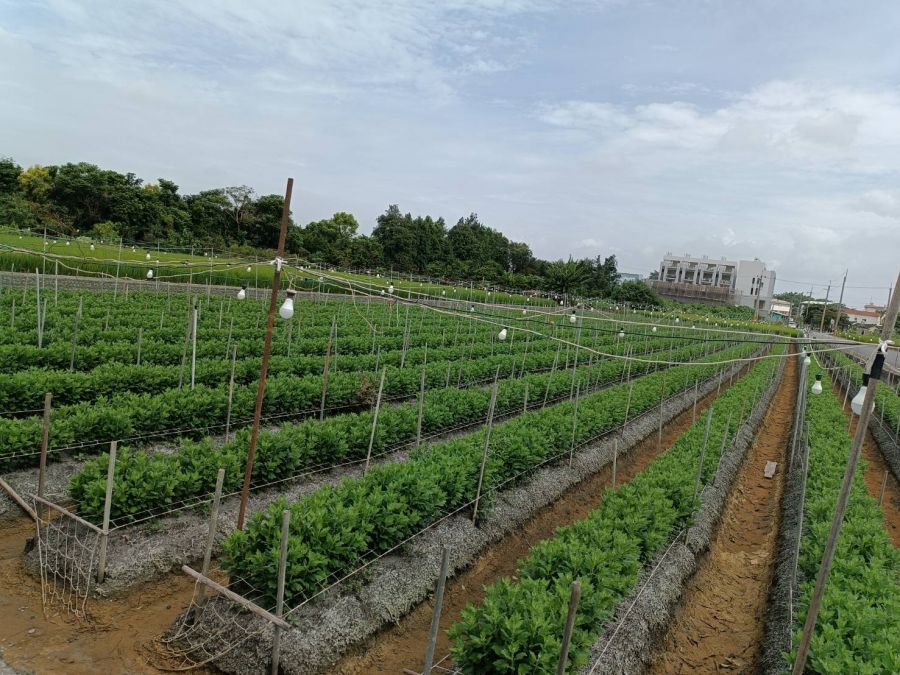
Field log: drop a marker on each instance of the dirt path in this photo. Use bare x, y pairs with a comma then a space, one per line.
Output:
403, 646
874, 475
719, 625
112, 642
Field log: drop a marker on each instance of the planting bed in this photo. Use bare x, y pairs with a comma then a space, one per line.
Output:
343, 617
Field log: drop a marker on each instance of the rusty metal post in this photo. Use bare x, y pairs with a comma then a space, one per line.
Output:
267, 350
570, 625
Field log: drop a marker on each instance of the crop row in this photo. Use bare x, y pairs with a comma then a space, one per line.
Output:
25, 389
147, 482
333, 528
887, 401
518, 627
857, 630
193, 412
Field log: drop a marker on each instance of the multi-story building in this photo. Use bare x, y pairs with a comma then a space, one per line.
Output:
738, 282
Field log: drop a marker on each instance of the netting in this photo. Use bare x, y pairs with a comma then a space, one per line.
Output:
67, 554
211, 627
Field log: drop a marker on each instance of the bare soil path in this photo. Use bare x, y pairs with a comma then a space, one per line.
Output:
403, 645
719, 625
114, 638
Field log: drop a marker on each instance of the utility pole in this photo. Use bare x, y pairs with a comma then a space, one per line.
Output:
840, 308
874, 368
267, 350
824, 309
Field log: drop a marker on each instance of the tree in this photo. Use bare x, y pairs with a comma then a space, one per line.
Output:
604, 276
812, 314
9, 176
240, 199
636, 293
330, 240
566, 277
394, 232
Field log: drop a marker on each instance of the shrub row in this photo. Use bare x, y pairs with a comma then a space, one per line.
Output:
858, 626
518, 627
146, 482
333, 528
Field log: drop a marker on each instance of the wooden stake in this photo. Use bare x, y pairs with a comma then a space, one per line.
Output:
194, 347
107, 508
487, 442
210, 540
574, 424
45, 442
374, 422
436, 615
421, 408
883, 488
279, 593
325, 370
615, 458
74, 332
230, 393
139, 336
709, 416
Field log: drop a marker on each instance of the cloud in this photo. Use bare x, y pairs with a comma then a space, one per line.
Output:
881, 203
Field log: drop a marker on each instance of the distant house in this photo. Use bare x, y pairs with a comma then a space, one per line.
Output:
863, 318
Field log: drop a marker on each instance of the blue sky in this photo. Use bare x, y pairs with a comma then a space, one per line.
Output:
764, 128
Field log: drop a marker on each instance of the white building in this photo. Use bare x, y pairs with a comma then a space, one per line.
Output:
740, 282
861, 317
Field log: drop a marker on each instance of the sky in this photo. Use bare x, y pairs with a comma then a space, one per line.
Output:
746, 128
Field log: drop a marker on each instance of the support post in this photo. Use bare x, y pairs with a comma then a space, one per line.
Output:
662, 394
574, 424
325, 369
874, 366
279, 592
45, 442
107, 508
436, 616
74, 332
139, 337
570, 626
525, 400
421, 408
883, 488
615, 460
230, 392
210, 540
487, 442
267, 350
374, 422
709, 417
194, 346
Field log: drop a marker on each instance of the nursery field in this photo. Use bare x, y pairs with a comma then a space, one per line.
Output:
440, 481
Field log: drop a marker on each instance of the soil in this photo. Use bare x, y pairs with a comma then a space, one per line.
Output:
403, 646
719, 624
876, 468
113, 638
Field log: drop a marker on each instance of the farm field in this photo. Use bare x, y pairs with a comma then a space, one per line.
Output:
540, 446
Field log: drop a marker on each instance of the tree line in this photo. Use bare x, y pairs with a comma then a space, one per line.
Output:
82, 199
